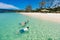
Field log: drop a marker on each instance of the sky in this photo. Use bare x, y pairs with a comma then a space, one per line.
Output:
56, 3
21, 4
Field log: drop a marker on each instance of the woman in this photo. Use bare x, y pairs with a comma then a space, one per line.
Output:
24, 30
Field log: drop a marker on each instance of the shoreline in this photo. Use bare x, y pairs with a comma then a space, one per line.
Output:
44, 16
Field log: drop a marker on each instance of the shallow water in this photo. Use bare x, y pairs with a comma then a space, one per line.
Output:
39, 29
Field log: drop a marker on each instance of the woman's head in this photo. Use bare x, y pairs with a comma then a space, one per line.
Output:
28, 27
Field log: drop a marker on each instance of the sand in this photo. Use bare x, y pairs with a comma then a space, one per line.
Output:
45, 16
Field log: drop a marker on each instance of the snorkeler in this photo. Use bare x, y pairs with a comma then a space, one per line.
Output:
24, 30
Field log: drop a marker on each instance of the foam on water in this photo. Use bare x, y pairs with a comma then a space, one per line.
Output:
39, 29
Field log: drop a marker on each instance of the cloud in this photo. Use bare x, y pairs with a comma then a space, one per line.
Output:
56, 3
7, 6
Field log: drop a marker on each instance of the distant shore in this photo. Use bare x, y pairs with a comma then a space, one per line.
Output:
45, 16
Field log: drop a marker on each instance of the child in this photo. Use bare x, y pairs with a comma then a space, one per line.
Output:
24, 23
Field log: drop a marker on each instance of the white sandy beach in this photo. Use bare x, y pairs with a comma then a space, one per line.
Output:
45, 16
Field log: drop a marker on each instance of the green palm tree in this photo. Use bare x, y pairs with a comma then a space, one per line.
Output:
42, 3
28, 8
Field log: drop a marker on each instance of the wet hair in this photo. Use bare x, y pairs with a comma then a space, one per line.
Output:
28, 27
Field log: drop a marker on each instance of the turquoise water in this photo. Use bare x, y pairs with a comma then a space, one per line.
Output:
39, 29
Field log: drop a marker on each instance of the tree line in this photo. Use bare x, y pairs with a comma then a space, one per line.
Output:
40, 9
